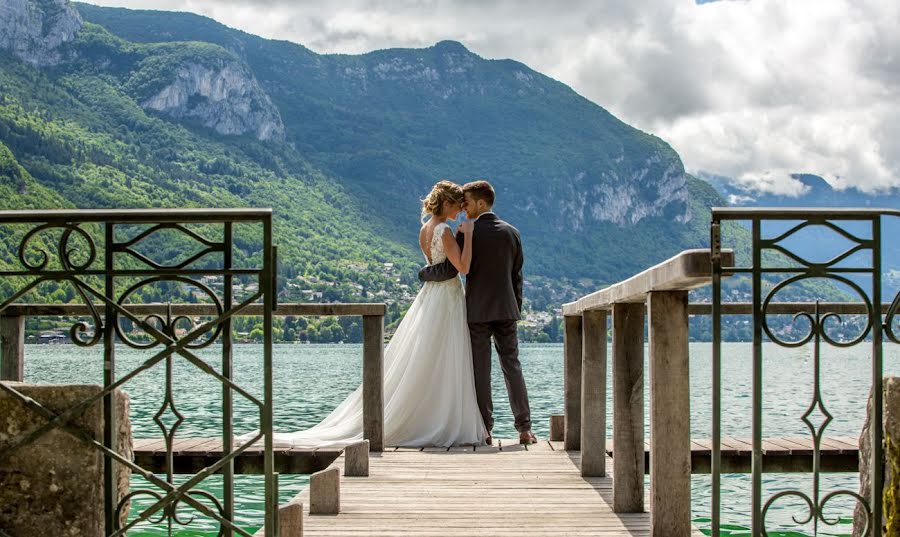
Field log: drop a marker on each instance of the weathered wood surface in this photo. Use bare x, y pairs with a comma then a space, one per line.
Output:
297, 309
785, 308
193, 454
12, 348
687, 270
557, 427
506, 489
670, 411
794, 454
373, 381
572, 381
628, 407
127, 216
351, 309
593, 395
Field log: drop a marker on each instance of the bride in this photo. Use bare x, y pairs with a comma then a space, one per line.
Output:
429, 386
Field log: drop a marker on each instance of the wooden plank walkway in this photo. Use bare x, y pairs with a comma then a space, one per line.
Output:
190, 455
792, 454
789, 454
507, 489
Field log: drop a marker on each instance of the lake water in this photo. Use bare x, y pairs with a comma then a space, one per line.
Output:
310, 380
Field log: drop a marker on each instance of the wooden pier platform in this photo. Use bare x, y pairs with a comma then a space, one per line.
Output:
783, 454
190, 455
507, 489
794, 454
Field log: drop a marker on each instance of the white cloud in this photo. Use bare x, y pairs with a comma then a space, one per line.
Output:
754, 90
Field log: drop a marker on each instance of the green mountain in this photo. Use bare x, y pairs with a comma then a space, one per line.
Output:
107, 107
575, 179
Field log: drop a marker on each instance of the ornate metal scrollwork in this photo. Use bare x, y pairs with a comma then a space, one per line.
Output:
817, 324
892, 318
170, 512
816, 509
70, 266
817, 332
128, 246
168, 324
65, 252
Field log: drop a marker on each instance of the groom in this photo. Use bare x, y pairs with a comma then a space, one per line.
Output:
493, 304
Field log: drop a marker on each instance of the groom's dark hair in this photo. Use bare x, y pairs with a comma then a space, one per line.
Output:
480, 190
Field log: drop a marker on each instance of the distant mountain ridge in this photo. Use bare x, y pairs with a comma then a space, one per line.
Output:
817, 192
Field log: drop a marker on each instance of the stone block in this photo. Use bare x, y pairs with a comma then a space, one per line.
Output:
54, 486
891, 431
356, 459
325, 492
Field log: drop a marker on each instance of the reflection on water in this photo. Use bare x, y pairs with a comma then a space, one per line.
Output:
310, 380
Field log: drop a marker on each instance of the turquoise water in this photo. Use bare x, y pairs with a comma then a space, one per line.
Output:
310, 380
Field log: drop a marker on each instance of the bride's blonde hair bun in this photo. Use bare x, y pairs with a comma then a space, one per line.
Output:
441, 192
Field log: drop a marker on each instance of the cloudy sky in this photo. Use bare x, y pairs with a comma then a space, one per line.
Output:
754, 89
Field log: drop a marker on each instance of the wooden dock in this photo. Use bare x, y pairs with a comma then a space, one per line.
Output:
190, 455
507, 489
784, 454
793, 454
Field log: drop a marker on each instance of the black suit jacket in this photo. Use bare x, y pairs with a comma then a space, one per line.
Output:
494, 282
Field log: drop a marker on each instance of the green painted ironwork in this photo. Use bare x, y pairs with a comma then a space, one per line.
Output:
77, 259
774, 264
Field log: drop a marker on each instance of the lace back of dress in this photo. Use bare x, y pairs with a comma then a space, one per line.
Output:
437, 244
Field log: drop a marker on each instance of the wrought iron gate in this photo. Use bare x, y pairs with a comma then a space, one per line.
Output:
97, 253
773, 267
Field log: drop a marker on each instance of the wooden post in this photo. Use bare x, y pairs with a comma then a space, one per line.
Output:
628, 408
557, 428
356, 459
290, 519
373, 381
593, 395
670, 431
572, 381
325, 492
12, 347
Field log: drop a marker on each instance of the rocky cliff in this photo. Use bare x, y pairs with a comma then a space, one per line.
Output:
222, 94
226, 98
34, 30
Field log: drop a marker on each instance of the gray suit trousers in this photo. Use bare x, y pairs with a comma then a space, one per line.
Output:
506, 342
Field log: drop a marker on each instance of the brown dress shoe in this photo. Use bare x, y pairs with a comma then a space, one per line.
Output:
527, 437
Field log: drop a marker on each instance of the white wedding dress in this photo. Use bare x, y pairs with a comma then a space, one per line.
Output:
429, 387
